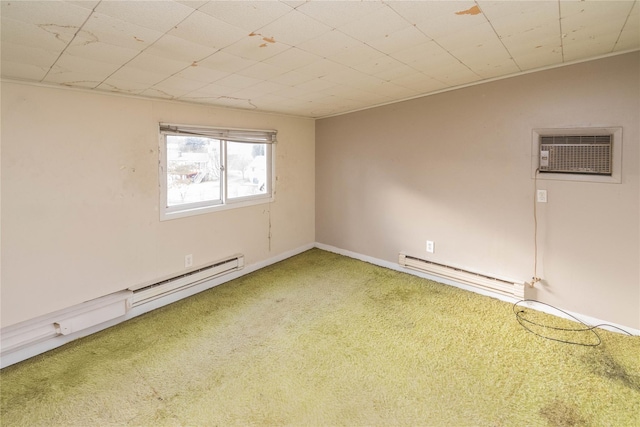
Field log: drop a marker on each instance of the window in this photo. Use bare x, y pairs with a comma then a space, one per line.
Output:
578, 154
206, 169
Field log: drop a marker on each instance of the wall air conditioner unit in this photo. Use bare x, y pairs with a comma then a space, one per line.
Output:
147, 293
576, 154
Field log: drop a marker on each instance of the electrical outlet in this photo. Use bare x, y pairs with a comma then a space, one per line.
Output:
188, 261
541, 196
431, 247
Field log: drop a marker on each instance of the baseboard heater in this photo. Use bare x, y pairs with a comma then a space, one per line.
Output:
146, 293
493, 284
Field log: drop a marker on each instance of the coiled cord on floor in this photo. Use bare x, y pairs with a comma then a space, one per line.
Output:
523, 322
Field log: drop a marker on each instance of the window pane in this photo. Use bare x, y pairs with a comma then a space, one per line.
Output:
193, 170
247, 173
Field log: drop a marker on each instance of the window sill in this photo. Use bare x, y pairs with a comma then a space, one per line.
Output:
166, 216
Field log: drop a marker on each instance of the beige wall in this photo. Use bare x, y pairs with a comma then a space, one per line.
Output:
456, 168
80, 197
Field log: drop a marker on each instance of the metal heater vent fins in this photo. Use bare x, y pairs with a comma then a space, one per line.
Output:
577, 154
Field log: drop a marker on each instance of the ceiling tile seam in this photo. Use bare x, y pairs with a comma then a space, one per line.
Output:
402, 62
562, 35
498, 36
152, 44
71, 41
195, 63
633, 4
383, 53
437, 44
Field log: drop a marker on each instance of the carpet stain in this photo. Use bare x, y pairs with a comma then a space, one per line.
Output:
603, 364
562, 414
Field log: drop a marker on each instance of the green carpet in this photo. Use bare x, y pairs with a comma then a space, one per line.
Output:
324, 340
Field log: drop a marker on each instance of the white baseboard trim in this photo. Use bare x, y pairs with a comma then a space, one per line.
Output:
50, 340
587, 320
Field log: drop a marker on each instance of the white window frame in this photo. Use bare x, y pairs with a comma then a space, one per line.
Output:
616, 157
224, 135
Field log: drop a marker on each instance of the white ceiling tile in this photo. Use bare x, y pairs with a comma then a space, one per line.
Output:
522, 17
539, 58
529, 40
422, 55
28, 55
74, 71
355, 55
292, 92
336, 14
351, 77
91, 48
202, 74
379, 64
237, 81
155, 15
172, 47
24, 34
292, 58
155, 64
378, 24
331, 43
266, 101
631, 32
439, 18
65, 17
291, 78
206, 30
258, 90
476, 35
23, 71
213, 90
396, 73
399, 40
262, 71
315, 85
320, 68
223, 61
394, 91
294, 28
248, 15
194, 4
177, 83
256, 48
138, 76
420, 83
114, 31
87, 4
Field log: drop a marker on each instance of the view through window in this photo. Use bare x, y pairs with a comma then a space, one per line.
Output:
203, 172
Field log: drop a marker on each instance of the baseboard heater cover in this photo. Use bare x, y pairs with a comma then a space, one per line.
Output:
147, 293
501, 286
64, 322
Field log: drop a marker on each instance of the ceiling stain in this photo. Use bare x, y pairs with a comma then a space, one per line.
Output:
57, 30
475, 10
269, 39
263, 45
137, 39
194, 64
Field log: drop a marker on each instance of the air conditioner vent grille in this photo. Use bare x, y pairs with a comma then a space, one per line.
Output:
580, 154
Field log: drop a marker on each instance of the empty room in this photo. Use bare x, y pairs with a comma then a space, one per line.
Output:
416, 213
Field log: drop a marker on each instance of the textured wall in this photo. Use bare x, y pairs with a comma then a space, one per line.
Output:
456, 168
80, 197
